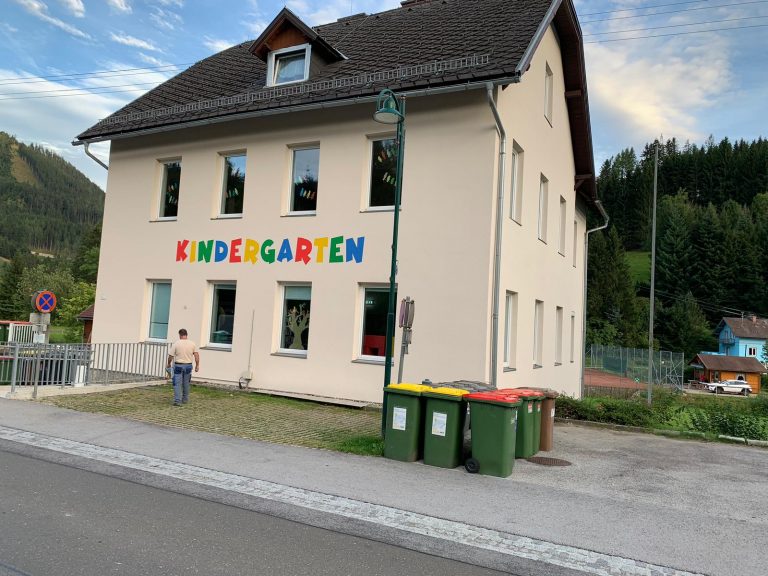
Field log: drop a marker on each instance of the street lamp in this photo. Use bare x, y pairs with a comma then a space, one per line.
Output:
391, 110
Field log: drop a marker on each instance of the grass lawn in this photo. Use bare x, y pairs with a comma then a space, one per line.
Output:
243, 414
640, 267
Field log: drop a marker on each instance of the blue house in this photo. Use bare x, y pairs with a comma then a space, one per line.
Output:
743, 337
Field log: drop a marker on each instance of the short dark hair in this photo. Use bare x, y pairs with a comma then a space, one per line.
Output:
183, 332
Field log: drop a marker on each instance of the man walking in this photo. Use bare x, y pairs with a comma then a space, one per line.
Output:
182, 352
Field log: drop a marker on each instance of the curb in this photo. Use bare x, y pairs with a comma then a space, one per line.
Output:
681, 434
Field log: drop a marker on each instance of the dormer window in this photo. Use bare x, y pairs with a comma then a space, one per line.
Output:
288, 65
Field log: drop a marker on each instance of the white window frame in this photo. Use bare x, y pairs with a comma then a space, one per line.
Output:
223, 190
516, 171
293, 150
538, 334
558, 335
152, 284
543, 208
368, 207
281, 320
549, 80
361, 323
163, 182
751, 350
563, 213
573, 337
575, 241
510, 332
212, 285
276, 54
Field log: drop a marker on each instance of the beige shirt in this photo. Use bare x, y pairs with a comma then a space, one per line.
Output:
183, 351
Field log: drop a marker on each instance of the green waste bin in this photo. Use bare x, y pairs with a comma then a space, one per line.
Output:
493, 418
445, 414
404, 431
528, 428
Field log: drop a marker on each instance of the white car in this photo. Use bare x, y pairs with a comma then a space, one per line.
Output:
733, 386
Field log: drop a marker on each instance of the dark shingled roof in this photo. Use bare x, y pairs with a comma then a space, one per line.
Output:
86, 314
756, 328
729, 363
492, 36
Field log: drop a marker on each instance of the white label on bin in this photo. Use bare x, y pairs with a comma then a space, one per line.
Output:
538, 407
438, 423
399, 416
553, 413
530, 408
513, 421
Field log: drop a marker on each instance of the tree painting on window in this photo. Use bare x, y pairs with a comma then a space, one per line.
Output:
296, 323
383, 172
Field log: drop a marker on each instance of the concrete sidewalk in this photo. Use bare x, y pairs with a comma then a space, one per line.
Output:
690, 506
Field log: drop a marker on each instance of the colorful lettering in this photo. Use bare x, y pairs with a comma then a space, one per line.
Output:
267, 252
321, 244
234, 250
181, 250
251, 250
285, 254
193, 252
336, 256
221, 251
204, 250
303, 249
355, 249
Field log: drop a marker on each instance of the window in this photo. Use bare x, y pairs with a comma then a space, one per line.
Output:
233, 185
510, 332
538, 333
288, 65
543, 204
223, 316
561, 243
751, 351
558, 335
159, 310
375, 306
306, 165
575, 241
516, 206
548, 94
573, 336
383, 172
169, 200
295, 330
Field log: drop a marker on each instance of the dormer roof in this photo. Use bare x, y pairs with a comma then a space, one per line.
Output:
288, 30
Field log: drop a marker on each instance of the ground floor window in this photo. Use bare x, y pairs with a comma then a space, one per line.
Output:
223, 316
297, 302
159, 310
375, 305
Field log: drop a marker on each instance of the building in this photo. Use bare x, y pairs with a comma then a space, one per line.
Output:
250, 201
715, 368
86, 317
743, 337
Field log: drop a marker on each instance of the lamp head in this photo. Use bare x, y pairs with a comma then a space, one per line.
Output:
387, 108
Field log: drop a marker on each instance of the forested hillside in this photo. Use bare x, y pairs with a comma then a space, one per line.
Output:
711, 243
46, 205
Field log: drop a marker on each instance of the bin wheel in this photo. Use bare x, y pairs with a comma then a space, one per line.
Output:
472, 466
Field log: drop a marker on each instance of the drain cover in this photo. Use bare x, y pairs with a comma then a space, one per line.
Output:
546, 461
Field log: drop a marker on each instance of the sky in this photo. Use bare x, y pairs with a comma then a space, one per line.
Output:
655, 68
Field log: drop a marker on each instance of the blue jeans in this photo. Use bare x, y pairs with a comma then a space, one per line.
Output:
182, 376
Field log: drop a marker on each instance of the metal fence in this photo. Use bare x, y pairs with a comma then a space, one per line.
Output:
627, 368
25, 364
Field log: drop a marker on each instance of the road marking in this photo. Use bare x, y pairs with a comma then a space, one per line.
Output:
466, 534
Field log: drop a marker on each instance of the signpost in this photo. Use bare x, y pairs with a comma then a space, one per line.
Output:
43, 303
407, 312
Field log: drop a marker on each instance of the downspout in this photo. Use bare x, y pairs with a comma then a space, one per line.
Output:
90, 155
497, 242
604, 214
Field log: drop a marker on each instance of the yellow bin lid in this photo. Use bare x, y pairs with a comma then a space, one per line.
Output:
411, 387
449, 391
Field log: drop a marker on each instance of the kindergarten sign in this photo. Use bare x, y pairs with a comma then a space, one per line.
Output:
333, 250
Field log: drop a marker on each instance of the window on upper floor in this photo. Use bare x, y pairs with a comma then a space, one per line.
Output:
516, 192
548, 94
510, 332
538, 334
561, 240
383, 172
233, 185
304, 180
575, 241
543, 207
288, 65
170, 188
751, 351
558, 335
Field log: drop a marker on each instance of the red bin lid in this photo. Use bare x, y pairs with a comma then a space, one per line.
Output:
525, 392
494, 396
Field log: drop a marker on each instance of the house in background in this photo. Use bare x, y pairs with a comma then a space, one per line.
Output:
743, 337
250, 200
86, 317
716, 367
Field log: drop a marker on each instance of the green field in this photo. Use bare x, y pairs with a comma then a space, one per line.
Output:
640, 267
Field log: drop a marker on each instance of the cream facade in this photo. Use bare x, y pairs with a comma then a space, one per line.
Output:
446, 242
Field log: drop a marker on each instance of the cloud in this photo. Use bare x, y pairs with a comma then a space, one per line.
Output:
256, 26
74, 6
165, 19
152, 60
8, 28
315, 12
40, 10
217, 45
121, 6
127, 40
179, 3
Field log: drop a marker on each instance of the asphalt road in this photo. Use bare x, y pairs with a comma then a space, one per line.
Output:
58, 520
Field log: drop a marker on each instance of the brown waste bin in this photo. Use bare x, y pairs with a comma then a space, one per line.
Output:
547, 418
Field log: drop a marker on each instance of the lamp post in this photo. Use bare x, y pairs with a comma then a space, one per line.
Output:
390, 110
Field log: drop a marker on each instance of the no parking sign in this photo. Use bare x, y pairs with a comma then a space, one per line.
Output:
44, 301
